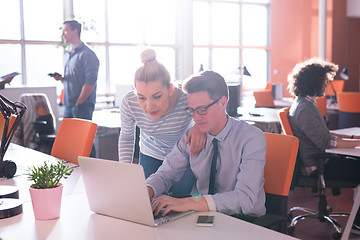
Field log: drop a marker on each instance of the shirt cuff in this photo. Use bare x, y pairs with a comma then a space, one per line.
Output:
333, 141
147, 185
210, 202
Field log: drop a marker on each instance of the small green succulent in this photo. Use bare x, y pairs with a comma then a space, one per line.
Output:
48, 176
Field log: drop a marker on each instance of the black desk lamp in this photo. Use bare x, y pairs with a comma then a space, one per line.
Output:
9, 204
245, 71
235, 92
344, 75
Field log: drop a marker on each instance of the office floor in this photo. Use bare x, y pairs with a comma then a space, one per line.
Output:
313, 229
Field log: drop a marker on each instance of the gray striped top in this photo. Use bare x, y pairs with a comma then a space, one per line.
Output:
157, 137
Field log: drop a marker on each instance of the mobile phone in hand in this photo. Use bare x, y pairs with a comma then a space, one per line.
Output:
54, 74
205, 221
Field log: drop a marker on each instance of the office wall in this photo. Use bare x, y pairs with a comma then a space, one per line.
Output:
294, 35
294, 38
346, 44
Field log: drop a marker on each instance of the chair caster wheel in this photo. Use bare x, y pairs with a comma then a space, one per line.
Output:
329, 209
336, 235
290, 229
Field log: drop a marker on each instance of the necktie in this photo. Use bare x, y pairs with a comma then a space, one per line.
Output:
213, 168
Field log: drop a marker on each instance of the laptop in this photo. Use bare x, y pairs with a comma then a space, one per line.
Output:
119, 190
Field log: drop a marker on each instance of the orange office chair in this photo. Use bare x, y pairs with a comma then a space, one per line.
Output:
338, 87
284, 121
349, 109
281, 152
323, 212
268, 86
321, 104
264, 99
2, 123
75, 138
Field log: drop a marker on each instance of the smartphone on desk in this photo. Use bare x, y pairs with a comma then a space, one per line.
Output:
205, 221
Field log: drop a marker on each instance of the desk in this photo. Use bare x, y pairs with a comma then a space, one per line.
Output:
331, 105
284, 102
355, 152
26, 158
265, 118
109, 118
78, 222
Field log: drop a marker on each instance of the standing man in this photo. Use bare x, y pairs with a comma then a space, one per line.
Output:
80, 74
230, 168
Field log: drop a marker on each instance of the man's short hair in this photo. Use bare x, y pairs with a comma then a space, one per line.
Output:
211, 82
74, 25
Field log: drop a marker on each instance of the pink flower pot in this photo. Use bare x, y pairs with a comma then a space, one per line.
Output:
46, 202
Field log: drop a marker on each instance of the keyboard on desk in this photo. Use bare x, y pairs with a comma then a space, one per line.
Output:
171, 213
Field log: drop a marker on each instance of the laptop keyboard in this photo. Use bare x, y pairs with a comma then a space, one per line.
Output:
167, 215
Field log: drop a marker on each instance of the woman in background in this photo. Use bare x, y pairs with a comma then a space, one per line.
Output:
307, 82
157, 107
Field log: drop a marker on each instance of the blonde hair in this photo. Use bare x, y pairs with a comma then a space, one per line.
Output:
152, 70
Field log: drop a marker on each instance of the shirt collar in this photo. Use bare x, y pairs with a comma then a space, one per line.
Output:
73, 48
310, 99
224, 132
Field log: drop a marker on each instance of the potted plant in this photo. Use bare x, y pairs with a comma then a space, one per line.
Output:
46, 190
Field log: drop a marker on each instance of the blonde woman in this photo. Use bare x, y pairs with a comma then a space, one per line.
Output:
157, 107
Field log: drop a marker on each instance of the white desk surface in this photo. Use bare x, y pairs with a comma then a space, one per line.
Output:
284, 102
331, 105
109, 118
355, 152
348, 131
287, 101
77, 221
25, 158
267, 115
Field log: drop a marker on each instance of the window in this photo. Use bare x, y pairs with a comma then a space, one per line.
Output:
232, 34
221, 35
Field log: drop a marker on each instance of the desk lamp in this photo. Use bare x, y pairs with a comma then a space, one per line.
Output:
345, 76
235, 91
10, 205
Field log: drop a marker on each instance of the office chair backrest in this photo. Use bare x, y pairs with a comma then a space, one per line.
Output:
37, 105
338, 87
281, 152
349, 102
75, 138
264, 98
349, 109
283, 114
2, 124
268, 86
321, 104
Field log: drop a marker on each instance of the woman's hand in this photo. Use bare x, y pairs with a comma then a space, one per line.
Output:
197, 140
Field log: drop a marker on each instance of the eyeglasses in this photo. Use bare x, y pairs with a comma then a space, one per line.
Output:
200, 110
